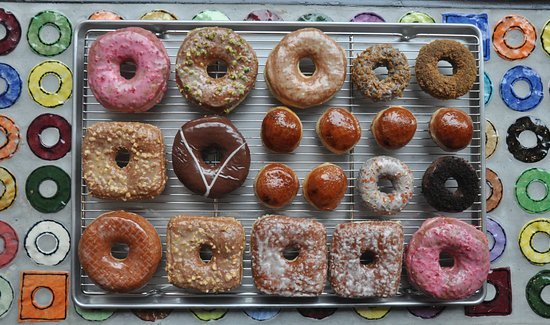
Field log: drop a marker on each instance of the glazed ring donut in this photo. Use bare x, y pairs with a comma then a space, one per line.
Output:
187, 235
338, 129
281, 130
10, 188
495, 185
522, 153
522, 195
113, 274
44, 97
514, 22
13, 32
202, 47
526, 235
365, 79
11, 132
37, 146
286, 81
468, 247
389, 168
437, 84
144, 176
61, 23
533, 291
13, 85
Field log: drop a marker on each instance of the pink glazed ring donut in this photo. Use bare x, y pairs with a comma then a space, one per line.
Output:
467, 246
146, 88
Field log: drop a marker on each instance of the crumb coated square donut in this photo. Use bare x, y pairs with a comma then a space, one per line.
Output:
273, 273
144, 176
185, 237
383, 242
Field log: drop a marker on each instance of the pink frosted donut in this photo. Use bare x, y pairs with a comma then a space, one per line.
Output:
148, 85
468, 247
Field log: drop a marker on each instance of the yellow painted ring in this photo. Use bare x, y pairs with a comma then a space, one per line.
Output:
41, 95
372, 313
10, 189
526, 235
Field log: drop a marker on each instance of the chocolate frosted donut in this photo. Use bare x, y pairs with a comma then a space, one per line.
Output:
210, 133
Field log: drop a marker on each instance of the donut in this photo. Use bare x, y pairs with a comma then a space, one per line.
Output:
441, 198
367, 82
263, 15
51, 18
11, 133
416, 17
495, 230
187, 235
55, 202
201, 48
276, 185
385, 167
514, 22
62, 243
57, 282
11, 245
480, 20
325, 186
211, 15
151, 315
367, 17
487, 88
437, 84
6, 296
281, 130
522, 153
491, 139
44, 97
284, 78
7, 196
314, 17
383, 241
338, 129
200, 177
144, 176
495, 188
522, 194
13, 85
545, 37
275, 274
526, 236
37, 146
533, 292
94, 315
105, 15
427, 312
158, 14
393, 127
12, 32
451, 129
113, 274
501, 304
146, 88
468, 248
509, 96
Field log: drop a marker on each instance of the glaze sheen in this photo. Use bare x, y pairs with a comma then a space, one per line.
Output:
451, 129
276, 185
339, 130
393, 127
281, 130
325, 186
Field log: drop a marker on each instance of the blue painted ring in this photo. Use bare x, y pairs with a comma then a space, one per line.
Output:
13, 85
511, 99
488, 88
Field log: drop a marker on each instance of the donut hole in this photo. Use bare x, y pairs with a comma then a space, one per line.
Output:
381, 71
541, 242
47, 243
545, 294
49, 137
211, 155
49, 34
3, 33
3, 137
122, 157
451, 184
3, 85
307, 67
128, 69
48, 188
50, 82
2, 190
42, 297
217, 69
514, 38
445, 67
367, 258
537, 190
2, 245
385, 184
205, 253
521, 88
491, 292
291, 252
488, 190
528, 139
446, 260
490, 240
120, 250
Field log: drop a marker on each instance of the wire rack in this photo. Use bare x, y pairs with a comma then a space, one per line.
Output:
174, 110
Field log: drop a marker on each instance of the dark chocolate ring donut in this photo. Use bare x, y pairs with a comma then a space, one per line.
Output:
521, 153
39, 124
438, 196
200, 135
13, 32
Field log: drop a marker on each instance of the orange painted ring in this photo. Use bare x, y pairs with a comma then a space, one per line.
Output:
11, 131
514, 22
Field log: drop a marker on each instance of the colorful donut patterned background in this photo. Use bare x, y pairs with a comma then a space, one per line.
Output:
515, 66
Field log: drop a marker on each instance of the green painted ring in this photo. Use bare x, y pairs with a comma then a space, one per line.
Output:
524, 200
533, 292
56, 19
48, 204
416, 17
94, 315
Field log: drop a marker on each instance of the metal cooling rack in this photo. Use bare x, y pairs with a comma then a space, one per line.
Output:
174, 110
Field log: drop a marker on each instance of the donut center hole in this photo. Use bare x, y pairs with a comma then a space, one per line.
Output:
3, 137
541, 242
490, 240
488, 190
42, 297
49, 137
50, 83
514, 38
206, 253
212, 155
120, 251
3, 32
528, 139
368, 257
291, 252
47, 243
446, 260
2, 245
451, 185
217, 69
545, 294
445, 67
381, 71
537, 190
3, 86
47, 188
128, 69
385, 185
491, 292
521, 88
122, 157
49, 34
307, 67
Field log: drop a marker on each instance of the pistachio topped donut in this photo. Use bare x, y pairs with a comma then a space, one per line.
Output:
286, 81
205, 46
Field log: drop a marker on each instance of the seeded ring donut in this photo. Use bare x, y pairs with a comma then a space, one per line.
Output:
205, 46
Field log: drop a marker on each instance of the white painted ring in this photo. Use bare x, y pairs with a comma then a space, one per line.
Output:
62, 247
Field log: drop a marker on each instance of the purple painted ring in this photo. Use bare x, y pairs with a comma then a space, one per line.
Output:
495, 230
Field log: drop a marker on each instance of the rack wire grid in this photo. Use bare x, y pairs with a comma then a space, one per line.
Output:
242, 204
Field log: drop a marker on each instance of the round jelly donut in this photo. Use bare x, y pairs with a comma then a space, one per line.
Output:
325, 186
111, 273
526, 236
211, 15
401, 177
158, 14
63, 144
533, 292
525, 201
365, 79
105, 15
10, 189
512, 52
451, 129
11, 244
314, 17
495, 190
509, 96
11, 132
263, 15
463, 242
393, 127
202, 47
132, 44
367, 17
276, 185
210, 133
6, 296
13, 85
441, 86
281, 130
338, 129
52, 203
416, 17
491, 139
495, 230
286, 81
440, 197
528, 154
52, 256
45, 97
12, 29
545, 37
51, 18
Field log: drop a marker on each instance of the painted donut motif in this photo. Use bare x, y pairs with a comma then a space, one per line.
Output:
417, 17
495, 230
104, 15
11, 132
427, 312
531, 154
158, 14
368, 17
60, 22
6, 296
48, 204
509, 96
526, 235
208, 314
533, 292
522, 195
11, 244
59, 149
62, 242
501, 304
261, 314
545, 37
263, 15
372, 313
13, 85
94, 315
209, 15
487, 88
495, 185
13, 32
10, 189
314, 17
481, 21
317, 313
491, 139
43, 96
151, 315
514, 22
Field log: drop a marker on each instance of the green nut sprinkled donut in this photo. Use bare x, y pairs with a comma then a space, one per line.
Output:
61, 197
533, 292
525, 201
56, 19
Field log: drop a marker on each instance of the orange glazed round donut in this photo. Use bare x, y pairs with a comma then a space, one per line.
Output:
113, 274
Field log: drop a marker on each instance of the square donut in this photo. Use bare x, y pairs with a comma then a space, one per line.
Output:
57, 283
185, 237
380, 276
273, 273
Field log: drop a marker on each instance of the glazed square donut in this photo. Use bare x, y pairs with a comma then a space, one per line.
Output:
383, 241
274, 274
186, 235
145, 175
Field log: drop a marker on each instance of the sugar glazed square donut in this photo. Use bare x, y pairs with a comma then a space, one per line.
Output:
144, 176
383, 241
185, 237
274, 274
